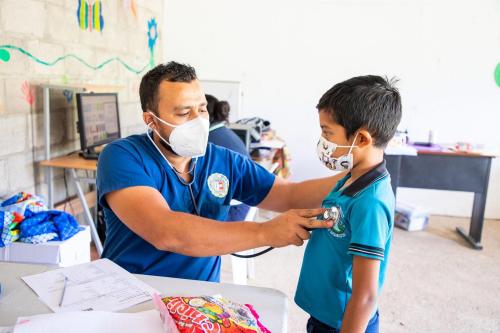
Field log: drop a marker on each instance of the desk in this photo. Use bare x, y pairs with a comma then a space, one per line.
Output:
18, 299
447, 170
72, 163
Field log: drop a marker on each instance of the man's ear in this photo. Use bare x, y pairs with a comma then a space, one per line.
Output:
148, 118
364, 139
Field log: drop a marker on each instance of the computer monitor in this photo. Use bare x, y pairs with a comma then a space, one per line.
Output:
98, 120
243, 132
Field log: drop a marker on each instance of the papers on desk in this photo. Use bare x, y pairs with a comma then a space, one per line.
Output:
269, 144
99, 285
93, 321
400, 150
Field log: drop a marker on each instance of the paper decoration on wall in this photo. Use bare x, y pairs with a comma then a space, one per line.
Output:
4, 55
68, 94
152, 37
132, 6
497, 74
27, 93
89, 15
73, 56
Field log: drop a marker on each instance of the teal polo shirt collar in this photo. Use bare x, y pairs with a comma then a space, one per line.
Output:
366, 180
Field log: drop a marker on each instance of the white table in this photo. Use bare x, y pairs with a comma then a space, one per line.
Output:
17, 299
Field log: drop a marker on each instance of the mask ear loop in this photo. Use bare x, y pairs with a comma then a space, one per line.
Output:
193, 164
163, 121
159, 135
352, 146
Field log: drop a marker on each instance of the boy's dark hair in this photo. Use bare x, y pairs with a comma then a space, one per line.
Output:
370, 102
217, 110
172, 72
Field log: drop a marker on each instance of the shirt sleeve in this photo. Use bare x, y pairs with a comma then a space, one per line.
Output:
252, 182
370, 228
118, 168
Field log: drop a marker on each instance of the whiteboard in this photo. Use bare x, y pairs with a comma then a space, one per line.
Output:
229, 91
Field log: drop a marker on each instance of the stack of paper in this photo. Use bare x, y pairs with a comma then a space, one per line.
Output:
93, 321
99, 285
273, 143
400, 150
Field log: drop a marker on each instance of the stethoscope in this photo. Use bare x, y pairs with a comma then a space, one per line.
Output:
332, 213
191, 172
190, 185
197, 211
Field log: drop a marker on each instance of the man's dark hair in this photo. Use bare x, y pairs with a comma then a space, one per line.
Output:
172, 72
217, 110
369, 102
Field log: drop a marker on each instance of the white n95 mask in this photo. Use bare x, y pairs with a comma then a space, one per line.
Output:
189, 139
325, 150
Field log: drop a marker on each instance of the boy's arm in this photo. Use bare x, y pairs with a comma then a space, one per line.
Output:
365, 275
286, 195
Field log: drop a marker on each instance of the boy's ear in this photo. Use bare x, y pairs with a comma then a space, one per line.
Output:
364, 139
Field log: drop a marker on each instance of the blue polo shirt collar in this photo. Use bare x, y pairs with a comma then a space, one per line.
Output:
366, 180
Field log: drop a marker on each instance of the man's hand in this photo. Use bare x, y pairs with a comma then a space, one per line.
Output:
144, 211
291, 227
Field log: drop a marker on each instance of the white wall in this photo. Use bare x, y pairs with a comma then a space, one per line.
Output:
48, 30
287, 53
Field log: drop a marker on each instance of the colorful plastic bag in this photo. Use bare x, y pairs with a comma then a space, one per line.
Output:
9, 223
211, 314
26, 218
23, 202
12, 213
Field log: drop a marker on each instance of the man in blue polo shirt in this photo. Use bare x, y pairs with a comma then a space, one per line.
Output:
166, 193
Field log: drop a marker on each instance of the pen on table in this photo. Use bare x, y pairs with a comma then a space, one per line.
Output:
63, 291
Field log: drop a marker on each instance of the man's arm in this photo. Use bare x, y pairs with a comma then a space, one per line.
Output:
286, 195
146, 213
365, 274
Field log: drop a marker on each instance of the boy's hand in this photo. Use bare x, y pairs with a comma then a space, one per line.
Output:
292, 227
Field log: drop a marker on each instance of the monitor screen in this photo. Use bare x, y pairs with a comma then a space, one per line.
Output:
98, 117
243, 132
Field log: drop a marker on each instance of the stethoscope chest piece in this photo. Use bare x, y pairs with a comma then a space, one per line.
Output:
332, 214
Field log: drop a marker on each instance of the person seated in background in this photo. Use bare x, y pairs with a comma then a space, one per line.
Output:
220, 135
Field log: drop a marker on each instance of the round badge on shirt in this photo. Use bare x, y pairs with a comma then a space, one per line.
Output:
338, 229
218, 184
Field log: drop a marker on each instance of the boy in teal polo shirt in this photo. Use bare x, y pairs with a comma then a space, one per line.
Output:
343, 269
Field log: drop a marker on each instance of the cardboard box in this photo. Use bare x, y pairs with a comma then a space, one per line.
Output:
411, 218
73, 251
